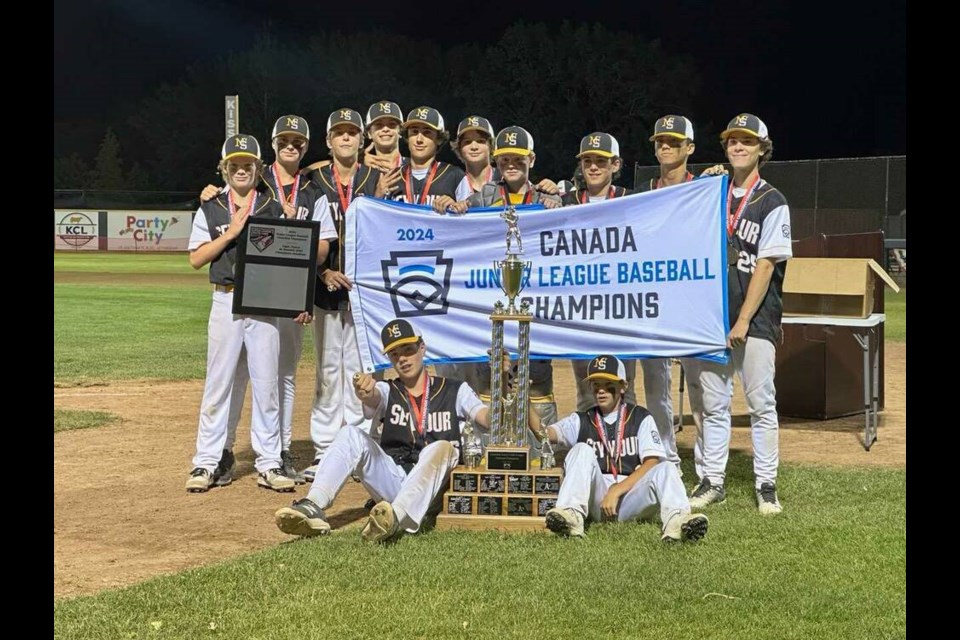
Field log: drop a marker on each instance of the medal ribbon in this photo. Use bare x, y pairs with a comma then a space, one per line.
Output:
293, 191
418, 413
687, 179
408, 183
735, 218
585, 195
613, 458
345, 198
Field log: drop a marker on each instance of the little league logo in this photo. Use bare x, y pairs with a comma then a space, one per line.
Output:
418, 282
261, 237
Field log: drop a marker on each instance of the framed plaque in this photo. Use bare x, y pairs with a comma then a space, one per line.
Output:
492, 483
519, 506
465, 483
490, 505
276, 268
519, 483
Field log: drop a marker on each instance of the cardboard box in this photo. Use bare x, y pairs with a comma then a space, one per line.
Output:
841, 287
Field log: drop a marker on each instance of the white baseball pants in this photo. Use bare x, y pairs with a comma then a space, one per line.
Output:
338, 357
291, 346
353, 451
659, 491
227, 335
711, 394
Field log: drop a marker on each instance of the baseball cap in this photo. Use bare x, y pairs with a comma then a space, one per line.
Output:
290, 124
746, 123
606, 367
425, 115
475, 123
602, 144
513, 140
242, 144
344, 116
675, 126
396, 333
384, 109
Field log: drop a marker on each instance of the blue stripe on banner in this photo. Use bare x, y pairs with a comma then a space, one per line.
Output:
417, 267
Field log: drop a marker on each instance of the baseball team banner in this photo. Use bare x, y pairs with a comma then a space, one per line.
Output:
638, 276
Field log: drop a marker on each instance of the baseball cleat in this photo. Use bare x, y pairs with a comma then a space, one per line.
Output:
565, 522
286, 462
200, 480
767, 501
382, 524
224, 472
311, 472
688, 527
275, 480
706, 493
302, 518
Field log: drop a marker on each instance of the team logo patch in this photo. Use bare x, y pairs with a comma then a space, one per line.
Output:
261, 237
785, 229
418, 282
76, 229
655, 437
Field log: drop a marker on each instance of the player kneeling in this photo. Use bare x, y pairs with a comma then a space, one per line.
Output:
419, 446
617, 467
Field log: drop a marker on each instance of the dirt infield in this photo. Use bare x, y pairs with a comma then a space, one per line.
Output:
121, 514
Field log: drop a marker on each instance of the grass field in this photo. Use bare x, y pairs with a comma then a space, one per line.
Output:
67, 420
833, 565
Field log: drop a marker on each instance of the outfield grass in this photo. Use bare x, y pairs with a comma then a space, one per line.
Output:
895, 307
833, 565
68, 419
112, 262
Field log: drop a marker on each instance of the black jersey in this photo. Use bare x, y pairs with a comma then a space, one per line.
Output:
364, 184
654, 183
763, 231
304, 201
582, 196
217, 215
444, 182
636, 439
403, 442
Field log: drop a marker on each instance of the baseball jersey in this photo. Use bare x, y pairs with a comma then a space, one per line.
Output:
364, 184
212, 219
582, 196
465, 188
443, 179
493, 194
654, 183
305, 201
640, 437
763, 231
449, 403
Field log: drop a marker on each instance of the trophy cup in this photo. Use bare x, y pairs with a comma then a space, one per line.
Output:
505, 493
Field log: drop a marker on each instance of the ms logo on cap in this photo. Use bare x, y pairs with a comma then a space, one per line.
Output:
510, 138
293, 123
394, 331
240, 142
601, 362
345, 114
667, 123
418, 282
473, 121
595, 143
742, 120
422, 113
385, 107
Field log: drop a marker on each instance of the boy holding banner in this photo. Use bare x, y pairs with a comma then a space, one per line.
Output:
419, 446
616, 469
758, 235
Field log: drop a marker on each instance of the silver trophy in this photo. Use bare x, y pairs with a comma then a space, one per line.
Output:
510, 406
472, 446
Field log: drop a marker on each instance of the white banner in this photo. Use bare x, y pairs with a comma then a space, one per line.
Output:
639, 276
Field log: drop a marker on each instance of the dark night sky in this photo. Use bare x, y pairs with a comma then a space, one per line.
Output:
829, 78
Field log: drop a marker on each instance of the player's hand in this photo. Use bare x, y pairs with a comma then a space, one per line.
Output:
289, 211
363, 385
548, 186
388, 182
304, 318
237, 221
336, 280
380, 163
551, 203
738, 334
442, 203
209, 193
610, 503
715, 170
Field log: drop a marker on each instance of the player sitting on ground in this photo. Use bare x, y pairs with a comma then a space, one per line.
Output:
419, 445
617, 468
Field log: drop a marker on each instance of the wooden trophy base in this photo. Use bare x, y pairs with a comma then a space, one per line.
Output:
506, 500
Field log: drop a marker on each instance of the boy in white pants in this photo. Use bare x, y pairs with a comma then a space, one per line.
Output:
419, 445
617, 467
